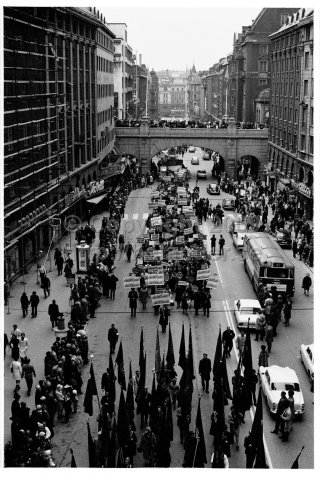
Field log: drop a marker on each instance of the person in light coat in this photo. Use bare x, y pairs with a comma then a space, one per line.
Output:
16, 370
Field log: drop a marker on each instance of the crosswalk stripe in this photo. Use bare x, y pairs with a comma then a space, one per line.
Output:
126, 216
135, 216
145, 216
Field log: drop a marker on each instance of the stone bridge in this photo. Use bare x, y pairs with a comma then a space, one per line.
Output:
232, 144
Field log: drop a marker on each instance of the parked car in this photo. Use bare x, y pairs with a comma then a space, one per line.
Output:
283, 238
194, 161
206, 156
213, 189
275, 380
201, 174
307, 358
237, 226
246, 311
228, 204
191, 149
237, 239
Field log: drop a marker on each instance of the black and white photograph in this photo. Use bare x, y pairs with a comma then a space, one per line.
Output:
157, 220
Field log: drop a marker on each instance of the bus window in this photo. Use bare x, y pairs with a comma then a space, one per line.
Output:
291, 273
262, 272
277, 272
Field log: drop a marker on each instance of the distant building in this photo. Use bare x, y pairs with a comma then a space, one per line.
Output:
195, 94
216, 91
172, 97
291, 133
153, 109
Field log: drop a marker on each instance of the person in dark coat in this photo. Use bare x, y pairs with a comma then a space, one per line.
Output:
144, 406
294, 248
113, 337
287, 311
46, 286
53, 312
14, 345
129, 250
306, 284
282, 405
164, 319
28, 373
24, 304
34, 302
113, 285
227, 340
59, 263
204, 372
133, 298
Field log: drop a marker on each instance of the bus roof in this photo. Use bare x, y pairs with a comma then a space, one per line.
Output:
271, 252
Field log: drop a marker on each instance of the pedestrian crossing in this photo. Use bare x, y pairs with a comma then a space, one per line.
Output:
135, 216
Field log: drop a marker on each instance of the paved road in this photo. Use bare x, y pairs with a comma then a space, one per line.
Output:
233, 283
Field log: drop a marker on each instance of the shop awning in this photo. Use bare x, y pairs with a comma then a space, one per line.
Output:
96, 200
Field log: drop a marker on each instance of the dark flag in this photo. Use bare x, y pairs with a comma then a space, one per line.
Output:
141, 352
112, 389
123, 422
217, 356
190, 355
247, 354
142, 379
112, 450
154, 399
257, 436
296, 462
119, 362
200, 454
169, 420
93, 381
120, 459
93, 463
73, 461
170, 353
130, 397
182, 350
218, 418
227, 391
87, 403
157, 361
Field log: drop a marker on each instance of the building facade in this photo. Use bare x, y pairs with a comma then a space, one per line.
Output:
172, 97
292, 109
153, 96
216, 91
53, 121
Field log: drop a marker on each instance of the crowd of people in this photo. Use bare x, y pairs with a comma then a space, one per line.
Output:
175, 123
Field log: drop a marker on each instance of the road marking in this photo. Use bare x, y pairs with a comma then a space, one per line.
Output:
145, 216
135, 216
125, 216
206, 229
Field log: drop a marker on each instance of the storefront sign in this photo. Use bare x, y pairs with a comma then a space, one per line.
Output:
203, 274
155, 279
307, 191
160, 299
131, 282
95, 187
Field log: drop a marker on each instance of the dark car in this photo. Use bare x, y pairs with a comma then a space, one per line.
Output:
283, 237
213, 189
228, 204
201, 174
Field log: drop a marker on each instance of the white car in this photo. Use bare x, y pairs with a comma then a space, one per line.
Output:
238, 240
246, 310
275, 380
307, 358
194, 161
191, 149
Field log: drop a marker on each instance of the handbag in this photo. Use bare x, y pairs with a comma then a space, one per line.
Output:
286, 414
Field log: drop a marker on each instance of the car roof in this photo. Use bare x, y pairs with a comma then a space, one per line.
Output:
215, 184
282, 374
202, 171
228, 200
249, 302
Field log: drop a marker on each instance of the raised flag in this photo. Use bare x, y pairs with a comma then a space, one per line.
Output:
182, 350
217, 356
157, 361
170, 353
93, 462
93, 381
141, 351
119, 362
112, 389
73, 460
87, 403
257, 436
123, 422
296, 462
201, 454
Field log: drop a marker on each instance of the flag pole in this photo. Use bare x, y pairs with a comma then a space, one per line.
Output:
195, 452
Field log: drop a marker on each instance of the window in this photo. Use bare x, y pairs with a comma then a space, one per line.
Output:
263, 81
263, 66
311, 144
305, 88
306, 60
303, 143
311, 116
263, 49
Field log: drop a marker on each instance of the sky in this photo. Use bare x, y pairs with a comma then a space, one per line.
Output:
175, 38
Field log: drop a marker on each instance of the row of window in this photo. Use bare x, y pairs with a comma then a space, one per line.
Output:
104, 141
289, 142
104, 65
105, 90
104, 40
282, 112
105, 116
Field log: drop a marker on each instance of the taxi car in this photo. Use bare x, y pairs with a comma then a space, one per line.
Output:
228, 204
213, 189
201, 174
307, 358
206, 156
237, 239
246, 311
274, 380
191, 149
237, 226
194, 161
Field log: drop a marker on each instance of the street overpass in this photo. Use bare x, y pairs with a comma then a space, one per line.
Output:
233, 144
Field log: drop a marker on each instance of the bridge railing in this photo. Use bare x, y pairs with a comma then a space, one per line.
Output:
190, 132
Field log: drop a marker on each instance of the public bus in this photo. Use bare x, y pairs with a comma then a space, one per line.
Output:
266, 263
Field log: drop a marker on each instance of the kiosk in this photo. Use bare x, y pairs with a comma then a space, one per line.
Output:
83, 257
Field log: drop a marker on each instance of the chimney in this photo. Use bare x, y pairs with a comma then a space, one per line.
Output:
140, 59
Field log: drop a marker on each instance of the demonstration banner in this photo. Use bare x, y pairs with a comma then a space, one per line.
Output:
183, 283
212, 283
160, 299
155, 237
140, 240
155, 279
182, 201
175, 255
158, 254
155, 269
203, 274
188, 231
131, 282
156, 221
148, 257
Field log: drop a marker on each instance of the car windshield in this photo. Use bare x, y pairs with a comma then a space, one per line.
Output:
240, 227
285, 386
277, 273
251, 310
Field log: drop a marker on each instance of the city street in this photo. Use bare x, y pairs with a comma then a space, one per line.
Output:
233, 284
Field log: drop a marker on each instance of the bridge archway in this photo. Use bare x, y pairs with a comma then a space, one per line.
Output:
248, 165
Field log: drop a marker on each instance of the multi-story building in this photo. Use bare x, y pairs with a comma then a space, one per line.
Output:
216, 91
58, 99
140, 88
249, 66
153, 108
195, 95
172, 97
291, 113
123, 72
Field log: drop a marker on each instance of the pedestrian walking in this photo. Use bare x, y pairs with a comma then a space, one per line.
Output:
234, 420
240, 341
287, 311
206, 303
28, 373
128, 251
164, 315
53, 312
306, 284
269, 336
263, 357
34, 302
144, 296
213, 242
174, 390
121, 242
24, 304
133, 299
5, 343
204, 372
113, 337
16, 370
221, 244
143, 403
113, 285
227, 341
260, 325
42, 273
46, 286
23, 346
282, 405
148, 447
59, 263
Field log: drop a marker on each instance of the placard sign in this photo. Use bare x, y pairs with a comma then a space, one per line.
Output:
175, 256
203, 274
188, 231
140, 240
158, 254
155, 269
155, 194
180, 239
167, 178
183, 283
155, 237
156, 221
182, 201
155, 279
131, 282
160, 299
212, 283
